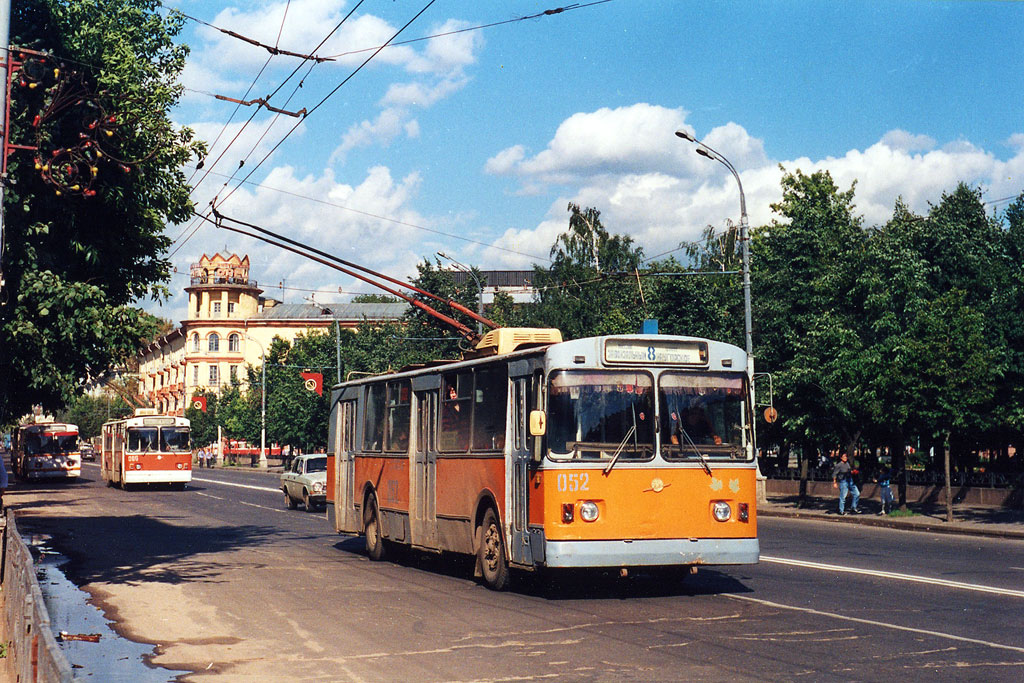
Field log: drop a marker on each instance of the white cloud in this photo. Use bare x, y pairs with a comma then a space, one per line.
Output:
654, 188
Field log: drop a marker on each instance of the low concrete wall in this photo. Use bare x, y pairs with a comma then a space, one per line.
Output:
968, 495
32, 649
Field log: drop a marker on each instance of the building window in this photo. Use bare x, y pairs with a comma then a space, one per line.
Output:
195, 375
216, 307
214, 342
234, 342
195, 341
234, 374
214, 376
231, 307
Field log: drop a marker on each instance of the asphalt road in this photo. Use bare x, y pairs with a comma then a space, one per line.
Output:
224, 581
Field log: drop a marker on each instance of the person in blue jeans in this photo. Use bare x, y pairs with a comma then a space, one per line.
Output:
842, 479
885, 489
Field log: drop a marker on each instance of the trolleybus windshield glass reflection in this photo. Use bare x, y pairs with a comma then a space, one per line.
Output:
50, 444
601, 415
702, 412
174, 439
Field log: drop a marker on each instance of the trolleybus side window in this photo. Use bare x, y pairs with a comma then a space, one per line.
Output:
490, 404
373, 426
397, 428
456, 406
702, 412
601, 415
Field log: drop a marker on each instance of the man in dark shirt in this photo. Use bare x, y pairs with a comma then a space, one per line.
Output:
842, 478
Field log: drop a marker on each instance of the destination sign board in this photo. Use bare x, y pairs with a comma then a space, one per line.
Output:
638, 351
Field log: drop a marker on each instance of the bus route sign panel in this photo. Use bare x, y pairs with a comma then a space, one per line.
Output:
656, 352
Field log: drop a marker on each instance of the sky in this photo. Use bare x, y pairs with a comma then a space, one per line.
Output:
475, 129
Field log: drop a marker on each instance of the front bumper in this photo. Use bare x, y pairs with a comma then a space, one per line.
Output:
651, 553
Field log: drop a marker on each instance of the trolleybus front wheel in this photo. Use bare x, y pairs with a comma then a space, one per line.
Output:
491, 553
375, 548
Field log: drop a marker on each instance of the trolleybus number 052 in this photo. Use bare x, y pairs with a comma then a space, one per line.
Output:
574, 481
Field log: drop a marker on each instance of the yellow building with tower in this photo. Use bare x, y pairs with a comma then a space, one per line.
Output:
230, 324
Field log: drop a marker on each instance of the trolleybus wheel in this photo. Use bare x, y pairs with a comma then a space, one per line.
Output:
491, 553
289, 501
375, 548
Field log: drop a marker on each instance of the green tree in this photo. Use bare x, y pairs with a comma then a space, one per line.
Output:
73, 263
587, 290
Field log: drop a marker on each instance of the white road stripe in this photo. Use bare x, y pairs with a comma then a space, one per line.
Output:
896, 576
871, 622
207, 495
231, 483
261, 507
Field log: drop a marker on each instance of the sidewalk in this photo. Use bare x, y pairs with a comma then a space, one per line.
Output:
975, 520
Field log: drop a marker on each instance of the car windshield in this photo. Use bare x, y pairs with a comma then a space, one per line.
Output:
316, 465
702, 414
143, 439
174, 439
600, 415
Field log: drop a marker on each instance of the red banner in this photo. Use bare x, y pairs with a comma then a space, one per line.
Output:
313, 381
199, 403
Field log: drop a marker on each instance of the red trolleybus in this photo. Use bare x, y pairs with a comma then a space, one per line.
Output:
146, 449
46, 450
610, 452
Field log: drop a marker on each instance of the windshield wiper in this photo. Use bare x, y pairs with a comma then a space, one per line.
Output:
700, 456
636, 445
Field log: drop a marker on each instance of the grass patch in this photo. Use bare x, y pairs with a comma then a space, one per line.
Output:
903, 513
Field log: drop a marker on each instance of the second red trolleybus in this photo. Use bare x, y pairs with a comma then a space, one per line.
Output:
604, 452
147, 448
46, 450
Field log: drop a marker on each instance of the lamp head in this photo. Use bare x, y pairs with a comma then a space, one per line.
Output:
684, 135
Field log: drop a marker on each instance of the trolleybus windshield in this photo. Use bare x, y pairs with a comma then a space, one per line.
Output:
143, 439
50, 443
702, 414
601, 415
174, 439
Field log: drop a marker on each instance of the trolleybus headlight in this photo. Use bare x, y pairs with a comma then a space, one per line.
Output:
138, 465
179, 465
589, 511
721, 511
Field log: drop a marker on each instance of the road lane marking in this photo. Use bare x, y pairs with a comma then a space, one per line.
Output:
241, 486
1009, 592
261, 507
207, 495
872, 622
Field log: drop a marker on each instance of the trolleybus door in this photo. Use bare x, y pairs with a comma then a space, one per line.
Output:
346, 518
424, 471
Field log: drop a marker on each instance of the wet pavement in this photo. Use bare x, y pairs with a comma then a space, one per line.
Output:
94, 650
979, 520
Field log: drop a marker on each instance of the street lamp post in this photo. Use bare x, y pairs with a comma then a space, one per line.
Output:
713, 154
263, 403
480, 300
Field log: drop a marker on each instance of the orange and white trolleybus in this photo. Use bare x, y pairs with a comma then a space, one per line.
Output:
147, 448
534, 453
46, 450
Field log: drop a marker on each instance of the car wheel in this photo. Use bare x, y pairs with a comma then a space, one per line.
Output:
491, 553
310, 506
289, 501
375, 549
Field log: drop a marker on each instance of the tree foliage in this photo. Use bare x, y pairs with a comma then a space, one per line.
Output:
74, 263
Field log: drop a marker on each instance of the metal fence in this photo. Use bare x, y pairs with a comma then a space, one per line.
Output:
31, 647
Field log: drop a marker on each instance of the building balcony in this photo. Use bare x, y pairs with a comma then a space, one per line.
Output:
214, 280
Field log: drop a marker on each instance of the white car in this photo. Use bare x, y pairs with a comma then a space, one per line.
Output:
306, 482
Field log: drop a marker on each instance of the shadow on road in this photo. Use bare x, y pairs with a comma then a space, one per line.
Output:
147, 549
590, 584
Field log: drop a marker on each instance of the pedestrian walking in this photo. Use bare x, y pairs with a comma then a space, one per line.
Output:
201, 458
885, 489
842, 479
